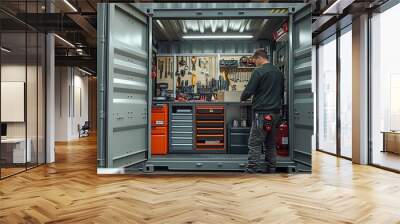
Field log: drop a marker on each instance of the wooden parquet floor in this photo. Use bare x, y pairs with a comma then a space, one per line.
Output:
70, 191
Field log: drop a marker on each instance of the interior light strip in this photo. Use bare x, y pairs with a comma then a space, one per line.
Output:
65, 41
198, 37
331, 7
70, 5
5, 50
84, 71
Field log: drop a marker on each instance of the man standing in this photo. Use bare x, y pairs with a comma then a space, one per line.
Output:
266, 87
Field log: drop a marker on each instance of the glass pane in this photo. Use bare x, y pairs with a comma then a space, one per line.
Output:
327, 96
13, 86
385, 83
31, 98
346, 94
41, 98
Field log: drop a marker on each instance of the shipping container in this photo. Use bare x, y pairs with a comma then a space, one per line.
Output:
136, 39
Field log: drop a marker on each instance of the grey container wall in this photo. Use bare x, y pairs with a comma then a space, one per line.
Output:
124, 87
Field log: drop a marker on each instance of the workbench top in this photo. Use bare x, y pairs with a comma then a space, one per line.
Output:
247, 103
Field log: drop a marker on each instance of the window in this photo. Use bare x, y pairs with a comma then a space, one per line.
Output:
385, 89
327, 95
346, 92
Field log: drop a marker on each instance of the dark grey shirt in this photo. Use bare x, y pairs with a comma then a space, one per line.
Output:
266, 84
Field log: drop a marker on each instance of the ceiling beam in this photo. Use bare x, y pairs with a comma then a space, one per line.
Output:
82, 61
86, 27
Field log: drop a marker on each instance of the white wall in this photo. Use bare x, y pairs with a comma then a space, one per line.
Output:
71, 102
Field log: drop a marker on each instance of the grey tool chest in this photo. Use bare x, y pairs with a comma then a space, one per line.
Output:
238, 139
181, 129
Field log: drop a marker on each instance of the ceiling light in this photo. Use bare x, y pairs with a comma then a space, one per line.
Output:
65, 41
70, 5
217, 37
335, 5
5, 50
84, 71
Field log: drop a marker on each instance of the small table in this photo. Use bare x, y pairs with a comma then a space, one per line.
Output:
16, 154
391, 141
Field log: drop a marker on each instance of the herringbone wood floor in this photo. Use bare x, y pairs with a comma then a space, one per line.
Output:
69, 191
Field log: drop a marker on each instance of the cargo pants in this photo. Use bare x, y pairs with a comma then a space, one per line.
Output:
259, 138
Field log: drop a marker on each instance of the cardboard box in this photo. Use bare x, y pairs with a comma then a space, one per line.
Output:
229, 96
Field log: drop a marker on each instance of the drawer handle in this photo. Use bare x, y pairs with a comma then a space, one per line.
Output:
181, 144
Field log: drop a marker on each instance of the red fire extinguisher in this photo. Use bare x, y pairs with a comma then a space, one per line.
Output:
282, 139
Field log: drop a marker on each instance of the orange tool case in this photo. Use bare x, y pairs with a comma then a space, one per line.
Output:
159, 129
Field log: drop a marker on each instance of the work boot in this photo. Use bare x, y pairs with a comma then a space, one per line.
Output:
251, 169
270, 169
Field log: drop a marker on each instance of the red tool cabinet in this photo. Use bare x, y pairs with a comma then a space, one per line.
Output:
159, 129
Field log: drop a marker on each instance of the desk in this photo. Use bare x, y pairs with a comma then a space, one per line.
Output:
13, 150
391, 141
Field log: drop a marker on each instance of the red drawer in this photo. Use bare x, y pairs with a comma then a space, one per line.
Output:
159, 115
159, 144
159, 130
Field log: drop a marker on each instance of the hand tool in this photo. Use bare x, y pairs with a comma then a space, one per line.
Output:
177, 73
182, 62
171, 69
178, 81
207, 64
161, 67
194, 78
166, 69
193, 63
182, 72
186, 64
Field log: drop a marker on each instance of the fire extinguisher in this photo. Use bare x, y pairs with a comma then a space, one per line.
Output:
282, 139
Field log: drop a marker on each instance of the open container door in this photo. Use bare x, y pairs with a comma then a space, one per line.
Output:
301, 113
123, 85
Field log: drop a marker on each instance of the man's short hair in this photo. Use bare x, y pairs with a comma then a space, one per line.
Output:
260, 53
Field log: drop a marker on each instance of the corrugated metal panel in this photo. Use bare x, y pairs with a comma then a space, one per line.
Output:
126, 86
301, 101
